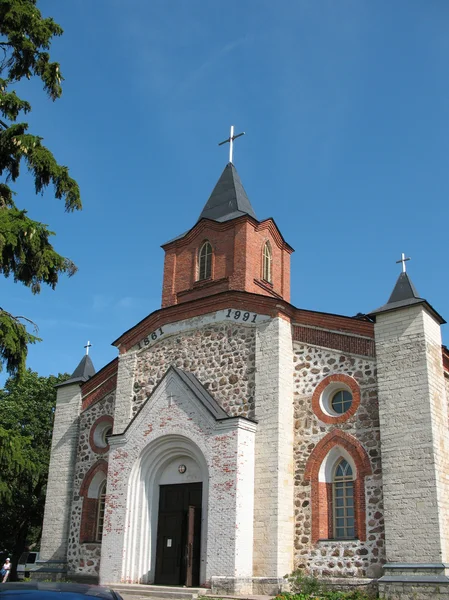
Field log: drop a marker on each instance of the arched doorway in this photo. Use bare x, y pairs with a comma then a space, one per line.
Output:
167, 514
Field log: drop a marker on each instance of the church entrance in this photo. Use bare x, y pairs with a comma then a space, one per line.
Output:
179, 534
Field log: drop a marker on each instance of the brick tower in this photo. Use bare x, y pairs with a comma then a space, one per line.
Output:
227, 249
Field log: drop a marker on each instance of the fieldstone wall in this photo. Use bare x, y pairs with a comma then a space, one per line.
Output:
221, 356
84, 558
331, 558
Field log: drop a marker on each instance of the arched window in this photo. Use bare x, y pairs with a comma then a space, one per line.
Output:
336, 470
92, 491
267, 260
343, 500
100, 511
205, 261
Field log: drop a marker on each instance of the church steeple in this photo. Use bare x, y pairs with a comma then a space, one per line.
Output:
228, 249
228, 199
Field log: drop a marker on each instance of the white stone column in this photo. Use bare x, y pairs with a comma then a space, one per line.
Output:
231, 504
414, 436
273, 505
58, 503
124, 392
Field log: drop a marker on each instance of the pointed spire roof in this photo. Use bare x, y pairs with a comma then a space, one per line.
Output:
404, 290
228, 199
405, 294
84, 371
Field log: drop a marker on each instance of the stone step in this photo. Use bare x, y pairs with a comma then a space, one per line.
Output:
162, 592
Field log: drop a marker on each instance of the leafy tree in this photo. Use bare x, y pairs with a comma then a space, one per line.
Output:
26, 422
25, 249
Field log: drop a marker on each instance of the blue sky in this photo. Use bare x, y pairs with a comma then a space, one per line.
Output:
346, 113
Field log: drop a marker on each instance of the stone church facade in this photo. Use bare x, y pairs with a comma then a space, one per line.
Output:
237, 437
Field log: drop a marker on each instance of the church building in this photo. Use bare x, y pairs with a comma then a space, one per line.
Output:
237, 437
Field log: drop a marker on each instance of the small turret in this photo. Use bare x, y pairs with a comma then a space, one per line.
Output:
55, 532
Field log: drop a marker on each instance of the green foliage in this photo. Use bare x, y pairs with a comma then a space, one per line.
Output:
26, 423
25, 249
306, 584
326, 595
13, 338
306, 587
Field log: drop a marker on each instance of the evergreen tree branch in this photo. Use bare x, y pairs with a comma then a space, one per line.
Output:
25, 249
14, 340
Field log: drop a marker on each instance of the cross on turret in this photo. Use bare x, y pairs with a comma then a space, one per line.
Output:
230, 141
403, 261
87, 346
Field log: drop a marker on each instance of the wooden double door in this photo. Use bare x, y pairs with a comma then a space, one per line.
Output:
179, 534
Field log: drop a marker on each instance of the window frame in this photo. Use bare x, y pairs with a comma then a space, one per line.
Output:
267, 263
325, 391
205, 246
341, 402
101, 507
336, 444
348, 501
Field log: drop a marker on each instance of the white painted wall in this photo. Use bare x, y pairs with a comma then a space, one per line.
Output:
61, 473
174, 427
273, 515
414, 435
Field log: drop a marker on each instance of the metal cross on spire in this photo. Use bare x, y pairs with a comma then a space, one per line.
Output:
403, 261
87, 346
230, 140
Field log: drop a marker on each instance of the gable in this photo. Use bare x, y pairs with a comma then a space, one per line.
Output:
179, 400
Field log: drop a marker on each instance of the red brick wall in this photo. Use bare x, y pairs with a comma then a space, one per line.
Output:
103, 382
337, 341
236, 262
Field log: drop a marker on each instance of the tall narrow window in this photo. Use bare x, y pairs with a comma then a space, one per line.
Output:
343, 497
100, 511
205, 261
266, 263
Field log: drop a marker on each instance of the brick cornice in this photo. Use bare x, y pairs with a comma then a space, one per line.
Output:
240, 300
267, 287
270, 224
203, 284
201, 306
199, 227
332, 322
103, 388
190, 235
109, 369
338, 340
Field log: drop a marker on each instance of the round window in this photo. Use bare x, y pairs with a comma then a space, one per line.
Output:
341, 401
99, 433
105, 434
336, 398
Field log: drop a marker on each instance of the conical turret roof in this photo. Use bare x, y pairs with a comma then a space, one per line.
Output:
404, 290
228, 199
405, 294
84, 371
